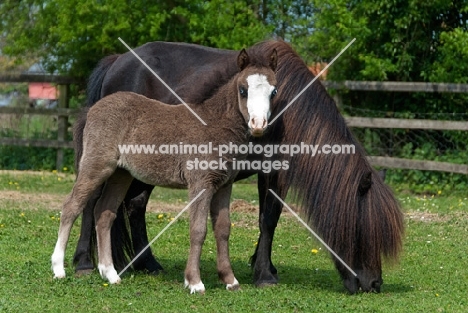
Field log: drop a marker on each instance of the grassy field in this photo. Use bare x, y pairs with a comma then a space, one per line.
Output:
432, 275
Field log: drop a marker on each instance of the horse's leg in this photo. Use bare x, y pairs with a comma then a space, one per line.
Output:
270, 210
222, 228
137, 210
112, 195
87, 182
83, 254
128, 231
198, 219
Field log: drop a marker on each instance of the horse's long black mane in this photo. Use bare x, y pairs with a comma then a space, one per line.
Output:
342, 196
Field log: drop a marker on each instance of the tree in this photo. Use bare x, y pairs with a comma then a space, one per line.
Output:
400, 40
70, 36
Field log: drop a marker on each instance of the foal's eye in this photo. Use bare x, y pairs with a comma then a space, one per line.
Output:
243, 92
273, 93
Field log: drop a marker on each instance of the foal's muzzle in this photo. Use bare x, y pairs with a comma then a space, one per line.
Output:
257, 126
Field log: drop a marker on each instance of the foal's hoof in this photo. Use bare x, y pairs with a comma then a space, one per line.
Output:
109, 273
59, 272
234, 286
59, 275
197, 288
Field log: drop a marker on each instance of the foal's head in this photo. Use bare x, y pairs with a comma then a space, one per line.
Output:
256, 87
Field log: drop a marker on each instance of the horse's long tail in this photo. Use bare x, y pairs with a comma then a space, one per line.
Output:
93, 95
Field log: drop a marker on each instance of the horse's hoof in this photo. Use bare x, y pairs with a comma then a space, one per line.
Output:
234, 286
266, 282
197, 288
157, 272
83, 272
265, 285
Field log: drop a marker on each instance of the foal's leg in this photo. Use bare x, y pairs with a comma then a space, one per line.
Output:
222, 228
198, 219
87, 182
104, 214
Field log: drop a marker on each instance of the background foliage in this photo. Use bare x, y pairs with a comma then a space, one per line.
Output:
397, 40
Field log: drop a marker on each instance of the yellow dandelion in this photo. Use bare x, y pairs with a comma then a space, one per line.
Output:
160, 216
105, 284
439, 192
436, 294
256, 243
22, 214
1, 225
52, 217
59, 178
65, 168
232, 224
54, 171
16, 184
314, 251
10, 183
172, 219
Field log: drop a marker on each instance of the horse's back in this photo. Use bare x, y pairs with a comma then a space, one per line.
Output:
186, 68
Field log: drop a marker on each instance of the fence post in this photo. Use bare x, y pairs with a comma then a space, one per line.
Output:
62, 123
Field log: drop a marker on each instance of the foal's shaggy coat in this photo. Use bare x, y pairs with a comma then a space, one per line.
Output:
128, 118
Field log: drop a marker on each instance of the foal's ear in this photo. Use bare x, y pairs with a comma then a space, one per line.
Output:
274, 60
365, 183
243, 60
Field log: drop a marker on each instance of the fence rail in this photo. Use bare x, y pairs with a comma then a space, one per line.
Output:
37, 78
39, 111
63, 112
397, 86
371, 122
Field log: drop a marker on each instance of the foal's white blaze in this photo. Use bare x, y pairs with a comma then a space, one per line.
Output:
194, 288
108, 272
258, 102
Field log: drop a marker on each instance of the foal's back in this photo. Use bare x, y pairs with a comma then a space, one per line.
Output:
127, 118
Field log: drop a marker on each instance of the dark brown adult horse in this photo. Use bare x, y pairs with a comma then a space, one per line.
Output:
341, 195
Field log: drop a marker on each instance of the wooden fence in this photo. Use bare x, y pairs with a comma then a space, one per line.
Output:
63, 113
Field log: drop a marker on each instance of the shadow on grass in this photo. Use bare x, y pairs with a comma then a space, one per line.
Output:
296, 277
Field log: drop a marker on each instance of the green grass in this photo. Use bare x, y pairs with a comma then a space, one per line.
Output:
432, 275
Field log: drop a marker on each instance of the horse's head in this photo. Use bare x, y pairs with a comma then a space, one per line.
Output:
256, 87
378, 233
